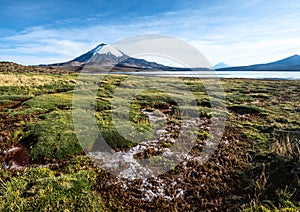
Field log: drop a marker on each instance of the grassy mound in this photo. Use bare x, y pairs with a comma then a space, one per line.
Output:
245, 109
53, 138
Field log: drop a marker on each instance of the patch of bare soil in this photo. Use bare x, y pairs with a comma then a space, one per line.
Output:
9, 128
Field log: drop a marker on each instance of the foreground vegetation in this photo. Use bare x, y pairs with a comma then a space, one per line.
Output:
255, 168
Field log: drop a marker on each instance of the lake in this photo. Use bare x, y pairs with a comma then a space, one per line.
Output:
276, 75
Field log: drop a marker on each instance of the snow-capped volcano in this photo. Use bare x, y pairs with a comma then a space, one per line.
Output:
107, 55
109, 49
103, 53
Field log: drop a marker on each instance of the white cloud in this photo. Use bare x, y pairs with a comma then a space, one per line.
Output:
251, 32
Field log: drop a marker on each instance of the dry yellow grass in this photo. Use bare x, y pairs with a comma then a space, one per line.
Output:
24, 80
288, 145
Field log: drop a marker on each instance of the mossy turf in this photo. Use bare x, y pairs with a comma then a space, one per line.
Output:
67, 180
43, 189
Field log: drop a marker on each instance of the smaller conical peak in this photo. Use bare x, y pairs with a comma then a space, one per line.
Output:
221, 65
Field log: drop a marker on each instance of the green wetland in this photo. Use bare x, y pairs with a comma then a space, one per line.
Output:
255, 166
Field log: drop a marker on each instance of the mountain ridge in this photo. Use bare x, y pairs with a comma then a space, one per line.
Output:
291, 63
105, 55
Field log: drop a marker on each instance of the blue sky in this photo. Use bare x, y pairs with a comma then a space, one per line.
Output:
236, 32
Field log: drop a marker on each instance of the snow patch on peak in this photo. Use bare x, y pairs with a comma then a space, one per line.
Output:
109, 49
98, 48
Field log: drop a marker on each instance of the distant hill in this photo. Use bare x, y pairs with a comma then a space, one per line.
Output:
10, 67
290, 63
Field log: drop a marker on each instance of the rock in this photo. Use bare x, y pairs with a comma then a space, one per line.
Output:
16, 156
